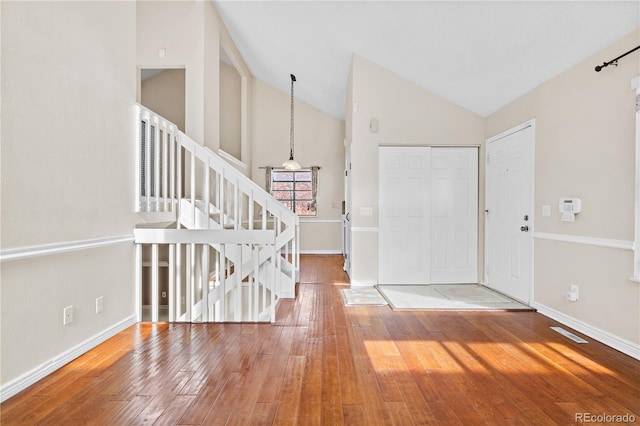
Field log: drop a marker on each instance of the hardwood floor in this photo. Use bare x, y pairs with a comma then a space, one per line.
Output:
324, 363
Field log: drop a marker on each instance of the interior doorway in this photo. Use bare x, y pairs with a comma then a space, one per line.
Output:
163, 91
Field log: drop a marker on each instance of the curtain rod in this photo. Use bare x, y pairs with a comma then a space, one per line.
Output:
615, 61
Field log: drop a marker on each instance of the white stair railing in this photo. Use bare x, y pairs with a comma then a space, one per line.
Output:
203, 192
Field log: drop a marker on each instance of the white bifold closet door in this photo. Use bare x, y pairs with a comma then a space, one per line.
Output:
428, 215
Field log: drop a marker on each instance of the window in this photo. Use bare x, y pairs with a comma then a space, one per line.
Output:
295, 189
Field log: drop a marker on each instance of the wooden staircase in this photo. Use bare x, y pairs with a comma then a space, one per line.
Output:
229, 248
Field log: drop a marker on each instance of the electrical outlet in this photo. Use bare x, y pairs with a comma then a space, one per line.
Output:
99, 304
164, 294
67, 315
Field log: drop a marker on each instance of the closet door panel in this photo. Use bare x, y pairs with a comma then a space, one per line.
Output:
454, 216
403, 228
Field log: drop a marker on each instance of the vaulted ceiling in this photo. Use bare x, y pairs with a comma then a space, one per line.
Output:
480, 55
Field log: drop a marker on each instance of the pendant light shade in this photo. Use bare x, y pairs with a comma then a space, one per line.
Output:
291, 164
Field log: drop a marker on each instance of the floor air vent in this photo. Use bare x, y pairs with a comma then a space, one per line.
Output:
568, 334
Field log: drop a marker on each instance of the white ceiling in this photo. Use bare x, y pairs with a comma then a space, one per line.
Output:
478, 54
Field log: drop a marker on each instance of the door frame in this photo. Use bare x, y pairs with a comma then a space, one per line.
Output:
346, 219
487, 261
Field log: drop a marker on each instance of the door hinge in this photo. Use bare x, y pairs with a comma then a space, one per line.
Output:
638, 103
488, 158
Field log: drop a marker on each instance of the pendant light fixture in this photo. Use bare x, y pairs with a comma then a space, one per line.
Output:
291, 164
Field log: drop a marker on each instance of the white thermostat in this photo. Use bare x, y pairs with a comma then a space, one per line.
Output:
568, 208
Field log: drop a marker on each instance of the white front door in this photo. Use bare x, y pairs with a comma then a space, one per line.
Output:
454, 215
403, 230
509, 224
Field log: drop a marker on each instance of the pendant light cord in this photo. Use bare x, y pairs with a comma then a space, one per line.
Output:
293, 79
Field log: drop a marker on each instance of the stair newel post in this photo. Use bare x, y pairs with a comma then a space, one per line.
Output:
193, 187
155, 293
178, 176
172, 168
222, 277
138, 282
266, 280
251, 213
191, 260
156, 161
286, 246
205, 282
178, 281
172, 282
207, 190
221, 197
255, 280
275, 260
278, 283
250, 292
147, 162
236, 204
165, 169
296, 254
238, 294
138, 175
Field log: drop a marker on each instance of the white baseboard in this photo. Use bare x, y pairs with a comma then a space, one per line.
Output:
617, 343
320, 251
21, 383
356, 283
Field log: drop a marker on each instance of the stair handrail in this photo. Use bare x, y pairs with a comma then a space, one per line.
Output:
204, 153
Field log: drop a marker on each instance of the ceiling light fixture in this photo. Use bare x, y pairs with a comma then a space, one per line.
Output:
291, 164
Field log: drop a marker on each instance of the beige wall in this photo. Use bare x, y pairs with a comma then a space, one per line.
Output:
192, 33
585, 133
189, 31
230, 109
164, 94
407, 115
319, 141
68, 95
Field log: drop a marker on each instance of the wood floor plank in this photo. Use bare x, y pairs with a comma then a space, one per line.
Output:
314, 384
223, 407
254, 378
289, 398
270, 390
331, 399
175, 410
263, 413
326, 363
349, 390
130, 411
